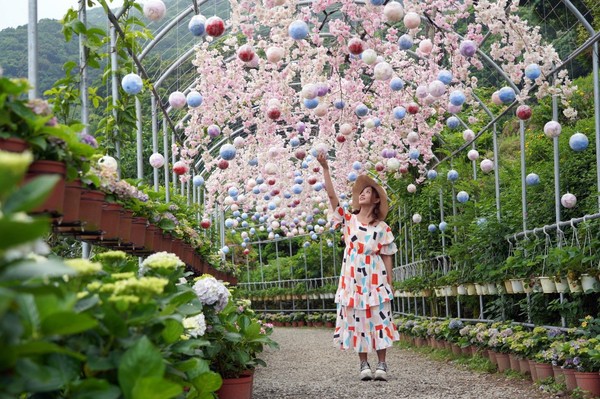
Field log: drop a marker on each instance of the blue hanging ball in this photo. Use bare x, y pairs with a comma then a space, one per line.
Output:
261, 219
399, 113
198, 181
452, 175
309, 227
578, 142
304, 165
229, 223
432, 228
405, 42
352, 176
445, 76
532, 179
533, 71
414, 153
322, 222
361, 110
260, 180
132, 84
267, 197
244, 216
507, 95
236, 213
252, 231
233, 192
256, 190
376, 121
318, 186
311, 103
457, 97
306, 244
297, 173
462, 197
339, 104
443, 226
194, 99
298, 180
272, 206
453, 122
298, 30
227, 152
356, 165
294, 141
197, 25
287, 195
253, 162
225, 249
377, 2
431, 174
481, 221
296, 188
314, 236
396, 84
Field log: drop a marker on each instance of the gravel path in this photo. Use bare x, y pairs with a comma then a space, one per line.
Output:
308, 366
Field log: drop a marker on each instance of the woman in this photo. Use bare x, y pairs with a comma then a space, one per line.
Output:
364, 294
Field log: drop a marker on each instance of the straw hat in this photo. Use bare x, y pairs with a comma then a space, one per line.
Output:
365, 181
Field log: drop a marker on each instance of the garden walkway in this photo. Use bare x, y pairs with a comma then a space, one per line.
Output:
308, 366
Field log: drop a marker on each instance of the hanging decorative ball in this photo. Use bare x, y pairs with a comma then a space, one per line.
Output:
533, 71
552, 129
422, 91
239, 142
273, 112
452, 175
180, 168
198, 181
405, 42
468, 48
361, 110
177, 100
227, 151
322, 89
275, 54
197, 25
205, 223
109, 163
412, 20
399, 113
393, 11
496, 98
532, 179
473, 155
462, 197
300, 154
298, 30
297, 189
223, 164
380, 167
411, 188
453, 122
454, 109
346, 129
412, 108
369, 56
437, 88
432, 228
412, 137
215, 26
245, 53
309, 91
468, 135
356, 46
431, 174
578, 142
443, 226
352, 176
523, 112
157, 160
311, 103
294, 141
270, 168
396, 84
414, 153
356, 165
339, 104
246, 251
383, 71
416, 218
362, 142
486, 165
377, 2
393, 164
194, 99
213, 131
445, 76
132, 84
568, 200
425, 46
457, 97
154, 10
507, 95
300, 127
225, 249
321, 110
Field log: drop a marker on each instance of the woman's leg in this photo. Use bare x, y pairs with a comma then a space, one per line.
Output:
381, 355
365, 369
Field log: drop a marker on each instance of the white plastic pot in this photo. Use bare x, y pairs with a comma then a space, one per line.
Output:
548, 285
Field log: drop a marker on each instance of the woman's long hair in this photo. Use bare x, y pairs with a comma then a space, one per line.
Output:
376, 217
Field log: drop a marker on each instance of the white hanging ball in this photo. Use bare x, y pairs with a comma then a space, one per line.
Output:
412, 20
552, 129
275, 54
473, 155
154, 10
412, 137
321, 110
411, 188
346, 129
239, 142
568, 200
322, 148
393, 11
270, 168
426, 46
157, 160
422, 91
487, 165
228, 201
393, 164
383, 71
235, 207
177, 100
309, 91
369, 56
108, 163
437, 88
468, 135
416, 218
362, 142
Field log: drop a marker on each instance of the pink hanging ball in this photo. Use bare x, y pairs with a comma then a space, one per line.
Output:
568, 200
412, 20
552, 129
454, 109
154, 10
245, 53
275, 54
473, 155
426, 46
157, 160
487, 166
177, 100
180, 168
496, 98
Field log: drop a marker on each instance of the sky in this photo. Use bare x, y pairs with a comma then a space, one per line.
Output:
16, 11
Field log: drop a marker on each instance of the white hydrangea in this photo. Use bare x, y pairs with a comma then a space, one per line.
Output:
162, 260
195, 325
210, 291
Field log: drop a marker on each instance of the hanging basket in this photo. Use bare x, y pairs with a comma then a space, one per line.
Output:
574, 285
548, 285
491, 287
517, 285
588, 283
508, 287
562, 286
471, 289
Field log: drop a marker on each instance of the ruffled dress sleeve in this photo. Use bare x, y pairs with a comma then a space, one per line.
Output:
388, 246
340, 217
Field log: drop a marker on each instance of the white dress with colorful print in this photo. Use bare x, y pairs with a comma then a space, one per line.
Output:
364, 314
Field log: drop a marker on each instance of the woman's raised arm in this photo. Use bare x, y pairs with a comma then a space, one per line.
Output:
333, 199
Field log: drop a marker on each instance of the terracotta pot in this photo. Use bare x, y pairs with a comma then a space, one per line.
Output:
54, 203
543, 371
150, 236
177, 248
72, 202
502, 361
90, 209
188, 254
559, 376
167, 242
532, 370
125, 226
570, 380
236, 388
467, 351
588, 381
138, 232
492, 357
524, 366
514, 362
456, 349
111, 217
13, 144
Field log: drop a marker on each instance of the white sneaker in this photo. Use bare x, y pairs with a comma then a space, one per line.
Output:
365, 372
381, 372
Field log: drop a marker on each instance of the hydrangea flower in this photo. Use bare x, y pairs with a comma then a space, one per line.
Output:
195, 325
162, 260
455, 324
84, 266
210, 291
112, 256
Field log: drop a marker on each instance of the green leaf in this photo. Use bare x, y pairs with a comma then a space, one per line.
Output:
42, 347
207, 382
155, 388
172, 331
38, 377
30, 269
17, 232
141, 361
93, 388
65, 323
195, 366
166, 224
6, 298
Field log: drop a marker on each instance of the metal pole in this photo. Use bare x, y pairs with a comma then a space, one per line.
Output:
596, 113
523, 174
441, 220
556, 165
140, 146
496, 171
248, 268
399, 232
321, 252
115, 89
166, 153
154, 137
481, 307
455, 228
32, 49
262, 275
474, 163
83, 88
278, 268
